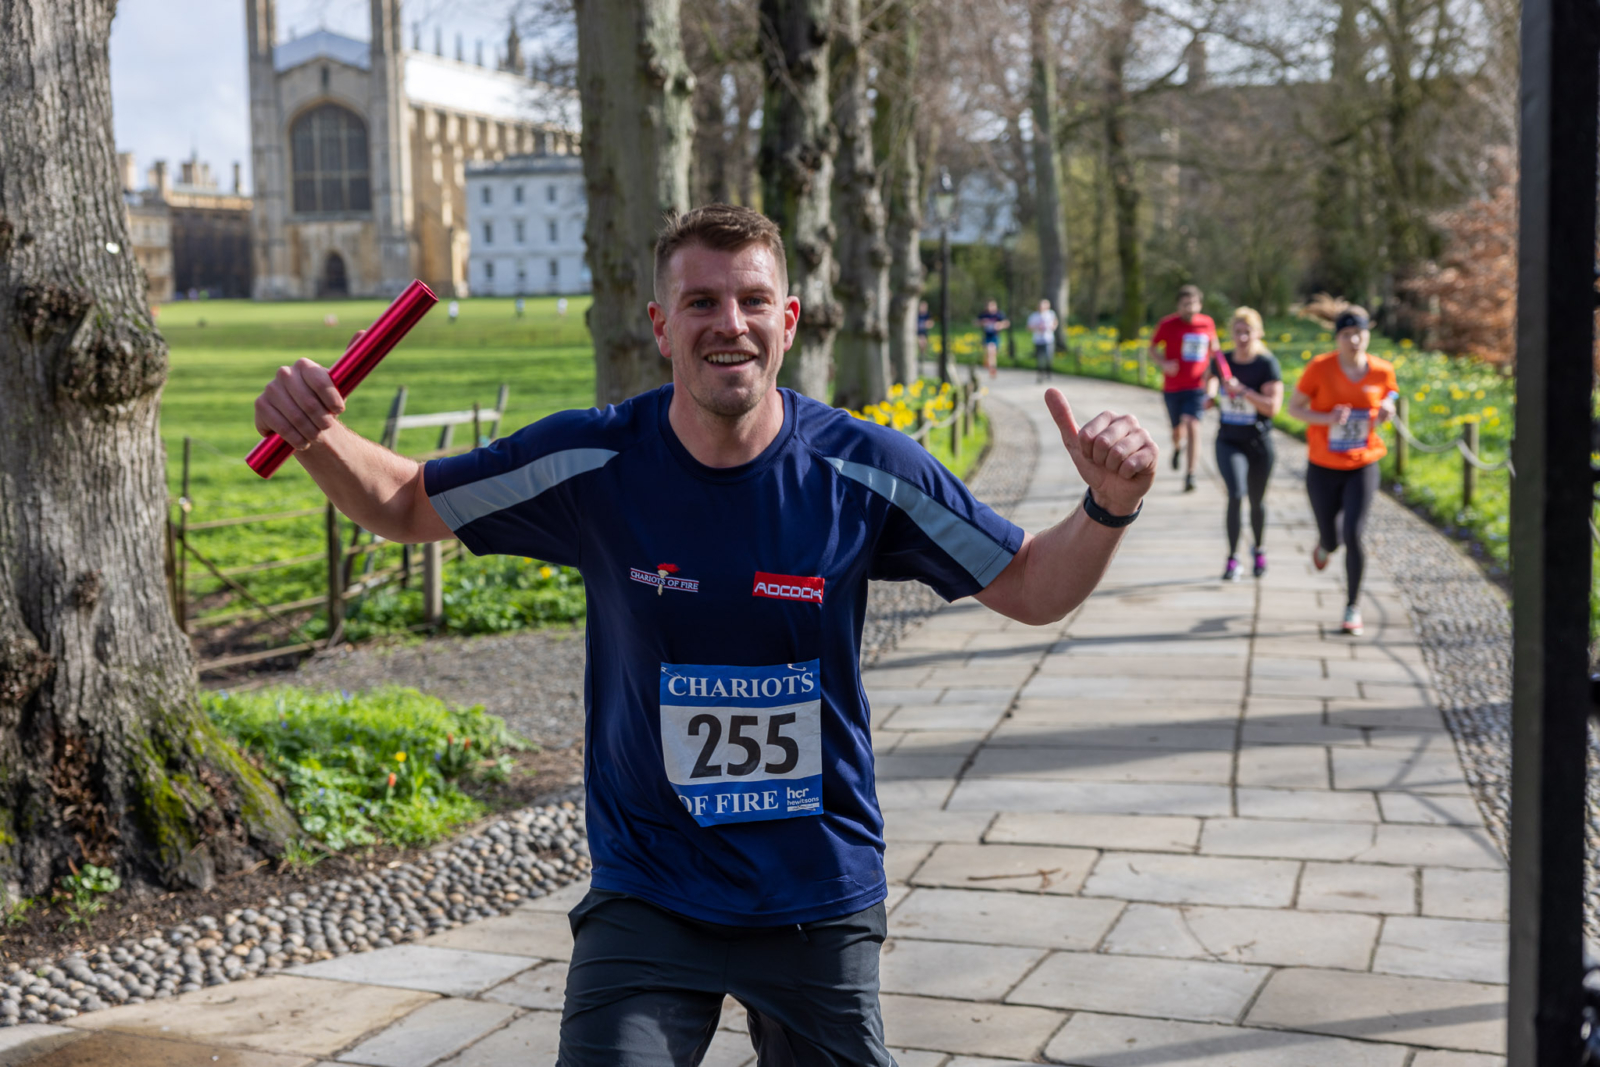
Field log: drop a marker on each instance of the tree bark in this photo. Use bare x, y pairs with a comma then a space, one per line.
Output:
798, 142
895, 134
636, 96
861, 349
105, 755
1097, 242
1119, 163
1049, 205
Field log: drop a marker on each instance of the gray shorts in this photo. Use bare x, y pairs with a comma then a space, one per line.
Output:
645, 987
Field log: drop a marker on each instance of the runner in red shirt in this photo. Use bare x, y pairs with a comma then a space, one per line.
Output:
1185, 343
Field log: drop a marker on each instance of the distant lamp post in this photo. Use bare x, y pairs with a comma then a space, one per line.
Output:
1008, 241
944, 203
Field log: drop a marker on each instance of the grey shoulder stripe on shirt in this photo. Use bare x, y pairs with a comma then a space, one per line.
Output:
977, 553
474, 500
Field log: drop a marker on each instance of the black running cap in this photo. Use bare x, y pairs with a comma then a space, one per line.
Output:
1351, 320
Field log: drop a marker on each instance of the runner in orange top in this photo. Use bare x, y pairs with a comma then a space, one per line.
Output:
1343, 397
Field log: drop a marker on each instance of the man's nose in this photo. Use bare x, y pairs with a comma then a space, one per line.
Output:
730, 319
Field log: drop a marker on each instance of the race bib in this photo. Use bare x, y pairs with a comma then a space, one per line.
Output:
1196, 347
743, 744
1236, 410
1353, 434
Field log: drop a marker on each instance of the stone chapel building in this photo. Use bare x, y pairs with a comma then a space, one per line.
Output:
360, 149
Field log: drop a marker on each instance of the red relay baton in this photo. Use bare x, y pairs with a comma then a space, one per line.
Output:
358, 361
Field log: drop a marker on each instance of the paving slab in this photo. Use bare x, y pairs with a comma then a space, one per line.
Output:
535, 934
1456, 894
1164, 878
1103, 764
452, 971
957, 743
429, 1034
562, 900
902, 858
288, 1014
22, 1043
936, 825
1284, 766
534, 1038
1028, 919
961, 971
1435, 1058
897, 765
1466, 1016
1430, 810
1245, 935
1111, 798
913, 794
1434, 846
112, 1049
1428, 771
944, 717
1032, 868
961, 1026
1286, 839
1312, 804
1177, 989
543, 987
1358, 887
1443, 948
1092, 1040
1122, 714
1184, 737
1402, 715
1145, 833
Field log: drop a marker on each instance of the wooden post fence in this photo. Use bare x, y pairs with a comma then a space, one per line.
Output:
1402, 447
1469, 472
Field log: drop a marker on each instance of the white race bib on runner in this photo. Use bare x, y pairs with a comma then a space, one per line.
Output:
1353, 434
1236, 410
743, 744
1196, 347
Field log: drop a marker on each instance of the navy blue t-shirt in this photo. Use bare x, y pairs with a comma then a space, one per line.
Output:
728, 763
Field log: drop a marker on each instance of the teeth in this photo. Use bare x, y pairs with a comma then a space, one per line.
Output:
729, 357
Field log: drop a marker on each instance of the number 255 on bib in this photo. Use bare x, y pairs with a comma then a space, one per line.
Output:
743, 744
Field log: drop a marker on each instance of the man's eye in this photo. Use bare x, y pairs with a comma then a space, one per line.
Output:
756, 301
702, 303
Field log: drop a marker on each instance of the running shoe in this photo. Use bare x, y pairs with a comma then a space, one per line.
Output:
1177, 453
1352, 621
1319, 557
1188, 483
1261, 563
1230, 573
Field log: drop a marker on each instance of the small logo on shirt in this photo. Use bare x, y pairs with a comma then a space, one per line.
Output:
664, 578
788, 587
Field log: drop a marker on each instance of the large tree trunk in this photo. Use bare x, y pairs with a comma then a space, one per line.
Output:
635, 92
1344, 192
1119, 162
1097, 240
104, 753
861, 350
1049, 205
895, 134
798, 141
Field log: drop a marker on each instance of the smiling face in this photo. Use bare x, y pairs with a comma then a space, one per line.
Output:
1244, 337
725, 322
1353, 341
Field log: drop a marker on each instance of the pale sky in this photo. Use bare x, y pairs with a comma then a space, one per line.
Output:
178, 66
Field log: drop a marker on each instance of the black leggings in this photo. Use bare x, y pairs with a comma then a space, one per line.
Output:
1246, 466
1350, 492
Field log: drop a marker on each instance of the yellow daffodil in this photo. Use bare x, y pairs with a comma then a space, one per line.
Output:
399, 757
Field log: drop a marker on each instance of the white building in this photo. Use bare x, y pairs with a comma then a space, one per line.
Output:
526, 216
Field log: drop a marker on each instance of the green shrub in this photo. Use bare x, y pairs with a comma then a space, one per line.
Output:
489, 595
381, 765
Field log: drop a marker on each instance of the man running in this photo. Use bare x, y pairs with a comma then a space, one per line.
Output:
726, 530
991, 322
1185, 343
1042, 325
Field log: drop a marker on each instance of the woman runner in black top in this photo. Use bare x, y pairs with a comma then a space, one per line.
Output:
1247, 387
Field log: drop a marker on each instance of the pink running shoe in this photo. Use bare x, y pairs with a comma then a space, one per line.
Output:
1319, 557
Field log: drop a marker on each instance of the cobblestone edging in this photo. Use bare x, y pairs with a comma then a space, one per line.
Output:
521, 856
1001, 480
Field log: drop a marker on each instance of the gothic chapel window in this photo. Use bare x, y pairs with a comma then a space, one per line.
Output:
329, 149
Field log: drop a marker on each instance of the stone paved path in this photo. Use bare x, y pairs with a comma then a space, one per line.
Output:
1189, 825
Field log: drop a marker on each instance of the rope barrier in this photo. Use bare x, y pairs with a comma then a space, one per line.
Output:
1458, 444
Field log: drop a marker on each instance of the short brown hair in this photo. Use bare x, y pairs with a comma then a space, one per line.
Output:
1191, 290
724, 228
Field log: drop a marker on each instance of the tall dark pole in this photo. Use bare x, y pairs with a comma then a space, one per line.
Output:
944, 300
1550, 511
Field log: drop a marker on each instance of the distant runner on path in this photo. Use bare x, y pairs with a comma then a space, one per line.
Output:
726, 530
992, 321
1343, 397
1042, 325
1248, 387
1185, 343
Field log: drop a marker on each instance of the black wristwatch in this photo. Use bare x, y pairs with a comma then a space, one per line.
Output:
1104, 517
